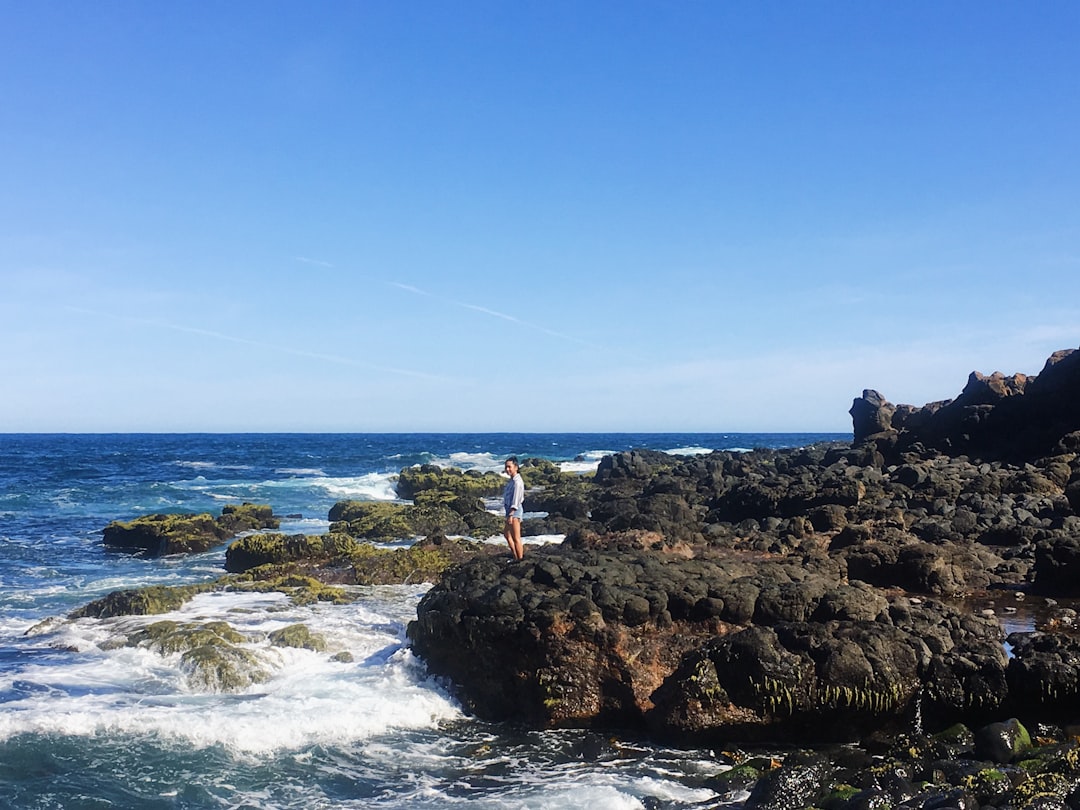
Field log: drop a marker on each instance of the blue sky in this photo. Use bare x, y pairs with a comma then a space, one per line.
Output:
528, 216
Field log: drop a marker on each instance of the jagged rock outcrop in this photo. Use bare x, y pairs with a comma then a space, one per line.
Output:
871, 414
1014, 418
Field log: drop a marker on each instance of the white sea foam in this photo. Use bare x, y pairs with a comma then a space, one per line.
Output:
522, 777
533, 540
304, 526
314, 483
481, 462
689, 451
373, 486
211, 465
586, 462
300, 471
308, 699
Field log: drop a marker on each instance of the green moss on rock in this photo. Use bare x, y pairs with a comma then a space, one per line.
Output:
142, 601
176, 637
165, 534
222, 668
301, 589
377, 566
161, 534
248, 517
298, 636
413, 480
276, 549
210, 655
379, 521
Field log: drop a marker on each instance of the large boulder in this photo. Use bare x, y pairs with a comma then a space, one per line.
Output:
709, 648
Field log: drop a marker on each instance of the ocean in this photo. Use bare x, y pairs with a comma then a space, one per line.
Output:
88, 722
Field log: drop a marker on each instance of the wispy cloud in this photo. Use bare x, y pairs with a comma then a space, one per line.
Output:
258, 344
315, 262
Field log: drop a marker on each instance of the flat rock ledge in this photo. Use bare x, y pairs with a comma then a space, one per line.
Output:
708, 650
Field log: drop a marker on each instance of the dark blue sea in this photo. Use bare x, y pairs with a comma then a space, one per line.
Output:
87, 721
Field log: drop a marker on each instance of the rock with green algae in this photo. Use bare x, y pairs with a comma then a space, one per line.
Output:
301, 589
210, 655
338, 557
298, 636
276, 549
478, 522
161, 534
142, 601
247, 517
386, 522
988, 785
412, 480
157, 599
176, 637
1002, 742
378, 566
222, 668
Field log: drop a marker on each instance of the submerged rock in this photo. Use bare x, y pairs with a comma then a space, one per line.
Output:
210, 653
298, 636
222, 668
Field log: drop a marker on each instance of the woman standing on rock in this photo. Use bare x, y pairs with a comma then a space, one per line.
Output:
513, 496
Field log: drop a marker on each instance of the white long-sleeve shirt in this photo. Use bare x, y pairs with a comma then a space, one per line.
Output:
514, 496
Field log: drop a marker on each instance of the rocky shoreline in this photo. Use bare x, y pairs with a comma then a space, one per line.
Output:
798, 597
802, 596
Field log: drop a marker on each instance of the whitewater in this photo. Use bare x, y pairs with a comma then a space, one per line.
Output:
90, 720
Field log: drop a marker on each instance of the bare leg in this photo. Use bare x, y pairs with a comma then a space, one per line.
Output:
519, 549
508, 533
512, 533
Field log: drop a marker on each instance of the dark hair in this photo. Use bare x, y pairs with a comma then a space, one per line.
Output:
513, 459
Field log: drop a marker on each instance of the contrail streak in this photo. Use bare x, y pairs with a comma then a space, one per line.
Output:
494, 314
409, 288
329, 358
316, 262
